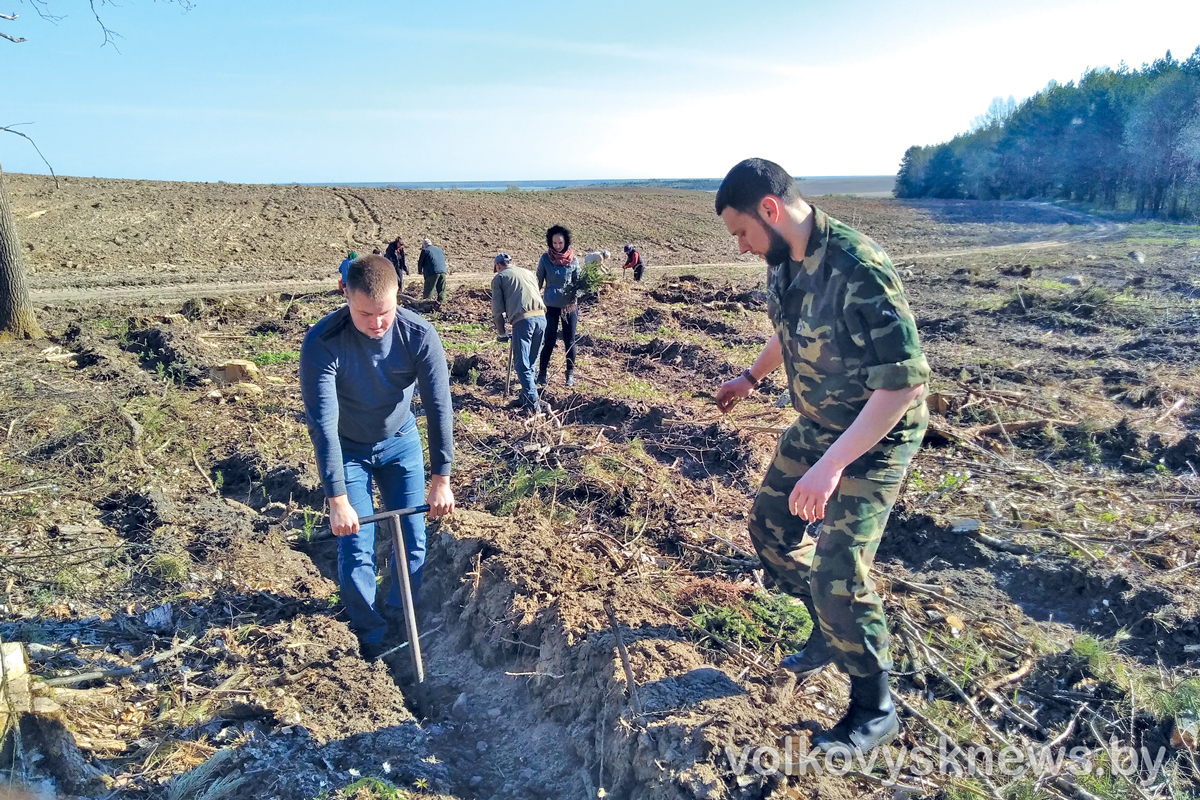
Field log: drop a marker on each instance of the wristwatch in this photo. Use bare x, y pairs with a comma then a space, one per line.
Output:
749, 376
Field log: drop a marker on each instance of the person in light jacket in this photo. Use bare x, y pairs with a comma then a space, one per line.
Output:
516, 300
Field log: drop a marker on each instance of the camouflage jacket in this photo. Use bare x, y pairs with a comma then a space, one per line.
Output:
844, 326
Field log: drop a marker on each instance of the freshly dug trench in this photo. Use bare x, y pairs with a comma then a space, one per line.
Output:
527, 695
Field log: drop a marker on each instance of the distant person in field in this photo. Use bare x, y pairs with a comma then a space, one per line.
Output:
847, 340
596, 257
395, 254
633, 260
558, 272
432, 264
358, 368
344, 270
517, 301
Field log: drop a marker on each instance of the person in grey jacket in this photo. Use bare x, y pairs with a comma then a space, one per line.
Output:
558, 274
516, 300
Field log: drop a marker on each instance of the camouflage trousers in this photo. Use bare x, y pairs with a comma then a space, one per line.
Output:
829, 568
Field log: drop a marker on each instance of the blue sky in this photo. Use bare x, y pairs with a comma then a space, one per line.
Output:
273, 91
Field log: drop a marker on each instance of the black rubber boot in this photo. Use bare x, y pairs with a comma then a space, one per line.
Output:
570, 377
816, 652
541, 377
869, 721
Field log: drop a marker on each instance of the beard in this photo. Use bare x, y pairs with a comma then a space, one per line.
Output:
779, 251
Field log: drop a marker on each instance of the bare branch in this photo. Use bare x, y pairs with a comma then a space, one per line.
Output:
9, 129
40, 6
110, 36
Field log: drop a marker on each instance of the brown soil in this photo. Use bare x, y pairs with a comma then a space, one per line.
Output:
635, 492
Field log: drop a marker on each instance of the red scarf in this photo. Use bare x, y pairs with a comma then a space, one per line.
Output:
561, 259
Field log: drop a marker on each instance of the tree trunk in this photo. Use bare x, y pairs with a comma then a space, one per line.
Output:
16, 313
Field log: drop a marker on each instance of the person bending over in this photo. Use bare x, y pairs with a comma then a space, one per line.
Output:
432, 264
515, 299
358, 368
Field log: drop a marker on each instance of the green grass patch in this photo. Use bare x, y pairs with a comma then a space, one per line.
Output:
507, 491
1157, 232
753, 619
634, 389
373, 789
269, 357
1181, 700
168, 567
467, 328
467, 348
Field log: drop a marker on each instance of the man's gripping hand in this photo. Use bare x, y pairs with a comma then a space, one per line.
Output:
440, 497
731, 392
343, 519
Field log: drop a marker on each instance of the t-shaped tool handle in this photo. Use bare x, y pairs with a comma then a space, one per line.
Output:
391, 521
399, 512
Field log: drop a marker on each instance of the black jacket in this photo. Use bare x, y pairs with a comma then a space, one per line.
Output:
396, 256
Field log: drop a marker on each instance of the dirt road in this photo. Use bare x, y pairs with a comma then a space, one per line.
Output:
182, 291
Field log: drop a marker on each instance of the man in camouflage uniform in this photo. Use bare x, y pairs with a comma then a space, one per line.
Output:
846, 337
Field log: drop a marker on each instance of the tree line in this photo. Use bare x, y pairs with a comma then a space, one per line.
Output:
1123, 138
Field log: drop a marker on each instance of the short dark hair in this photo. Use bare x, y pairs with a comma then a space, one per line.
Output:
752, 180
555, 230
374, 276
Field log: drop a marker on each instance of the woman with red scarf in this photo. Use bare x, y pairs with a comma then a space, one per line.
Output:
558, 276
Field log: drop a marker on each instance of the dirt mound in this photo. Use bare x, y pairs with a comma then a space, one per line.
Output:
946, 328
1184, 454
220, 534
467, 367
171, 351
136, 515
245, 476
1121, 446
701, 451
691, 290
650, 320
103, 360
293, 483
1101, 601
304, 710
599, 411
686, 355
709, 323
1175, 350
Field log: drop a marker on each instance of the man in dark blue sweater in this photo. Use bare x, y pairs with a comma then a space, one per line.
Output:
358, 367
432, 264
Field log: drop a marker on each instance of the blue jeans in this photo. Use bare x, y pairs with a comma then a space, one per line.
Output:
527, 339
398, 466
